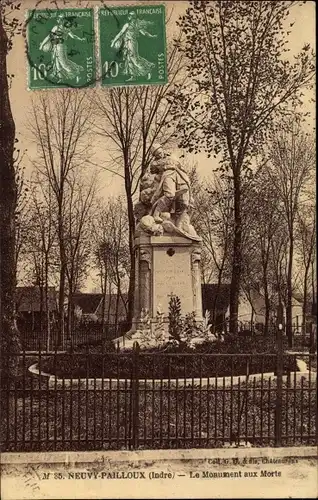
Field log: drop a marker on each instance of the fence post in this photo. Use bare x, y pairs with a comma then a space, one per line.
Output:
135, 396
279, 390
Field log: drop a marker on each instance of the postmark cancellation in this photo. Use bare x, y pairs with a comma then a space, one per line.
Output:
61, 46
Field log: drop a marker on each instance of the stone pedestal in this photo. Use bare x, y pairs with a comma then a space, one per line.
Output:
167, 265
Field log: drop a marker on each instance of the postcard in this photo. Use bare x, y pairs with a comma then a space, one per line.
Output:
158, 249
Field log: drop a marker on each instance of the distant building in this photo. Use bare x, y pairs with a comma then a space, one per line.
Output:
31, 305
115, 307
255, 308
92, 307
252, 309
86, 305
216, 298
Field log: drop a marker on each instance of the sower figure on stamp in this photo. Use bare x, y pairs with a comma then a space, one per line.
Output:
127, 39
173, 193
63, 68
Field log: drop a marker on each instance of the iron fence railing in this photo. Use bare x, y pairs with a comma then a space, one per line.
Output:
37, 339
41, 339
98, 400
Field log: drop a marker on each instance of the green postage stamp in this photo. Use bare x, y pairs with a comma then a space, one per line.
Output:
61, 48
132, 45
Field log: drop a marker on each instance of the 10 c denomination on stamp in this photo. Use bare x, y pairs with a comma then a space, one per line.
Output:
61, 48
132, 45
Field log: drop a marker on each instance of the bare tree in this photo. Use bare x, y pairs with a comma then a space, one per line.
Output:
131, 119
61, 130
38, 253
213, 218
111, 236
306, 229
240, 81
263, 221
22, 206
79, 204
291, 166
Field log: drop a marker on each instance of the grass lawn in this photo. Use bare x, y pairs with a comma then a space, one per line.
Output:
184, 417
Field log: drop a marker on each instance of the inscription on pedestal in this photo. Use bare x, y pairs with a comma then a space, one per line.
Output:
172, 275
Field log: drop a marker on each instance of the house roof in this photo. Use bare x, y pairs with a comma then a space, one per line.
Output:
88, 302
212, 292
92, 303
28, 299
111, 305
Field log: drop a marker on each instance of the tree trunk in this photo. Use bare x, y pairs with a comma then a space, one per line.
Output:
304, 308
131, 221
267, 313
61, 325
252, 318
213, 318
267, 304
289, 306
42, 309
116, 309
10, 342
70, 305
118, 297
237, 258
131, 289
47, 302
314, 297
104, 291
70, 314
61, 321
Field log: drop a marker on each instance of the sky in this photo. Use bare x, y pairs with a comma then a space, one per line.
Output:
303, 31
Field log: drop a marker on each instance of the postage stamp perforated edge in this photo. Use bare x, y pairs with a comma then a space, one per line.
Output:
162, 4
97, 45
28, 64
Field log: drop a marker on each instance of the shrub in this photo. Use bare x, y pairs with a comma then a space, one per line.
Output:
175, 320
186, 336
157, 362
